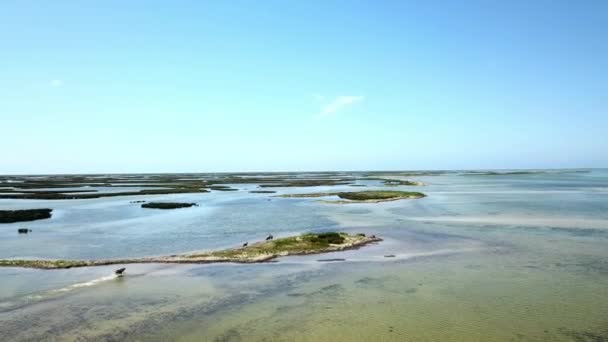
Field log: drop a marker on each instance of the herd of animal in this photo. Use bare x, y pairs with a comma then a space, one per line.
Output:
268, 238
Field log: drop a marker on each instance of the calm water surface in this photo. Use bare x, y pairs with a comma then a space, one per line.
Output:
482, 258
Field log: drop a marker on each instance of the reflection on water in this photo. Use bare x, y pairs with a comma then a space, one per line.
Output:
482, 258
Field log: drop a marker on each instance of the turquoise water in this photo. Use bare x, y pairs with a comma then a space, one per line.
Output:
481, 258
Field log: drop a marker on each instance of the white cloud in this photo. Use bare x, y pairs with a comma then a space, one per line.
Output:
338, 104
56, 83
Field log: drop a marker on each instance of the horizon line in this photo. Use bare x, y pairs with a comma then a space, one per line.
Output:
308, 171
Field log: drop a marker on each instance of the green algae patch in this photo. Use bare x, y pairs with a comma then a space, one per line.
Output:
11, 216
167, 205
311, 243
369, 196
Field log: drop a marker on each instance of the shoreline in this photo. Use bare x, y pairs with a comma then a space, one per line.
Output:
264, 251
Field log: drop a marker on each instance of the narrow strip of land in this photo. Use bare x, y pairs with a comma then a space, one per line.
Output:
312, 243
361, 196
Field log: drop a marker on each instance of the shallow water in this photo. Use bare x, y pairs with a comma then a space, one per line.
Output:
482, 258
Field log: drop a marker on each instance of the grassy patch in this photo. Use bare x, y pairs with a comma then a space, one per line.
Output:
303, 244
362, 196
307, 182
394, 182
378, 195
10, 216
326, 238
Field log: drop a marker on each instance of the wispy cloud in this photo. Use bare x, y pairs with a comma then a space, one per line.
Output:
56, 83
338, 104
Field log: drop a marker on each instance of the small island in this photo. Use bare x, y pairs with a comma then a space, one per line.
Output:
379, 196
222, 188
371, 196
264, 251
395, 182
11, 216
167, 205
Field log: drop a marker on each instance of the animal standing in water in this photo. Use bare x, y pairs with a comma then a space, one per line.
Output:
120, 272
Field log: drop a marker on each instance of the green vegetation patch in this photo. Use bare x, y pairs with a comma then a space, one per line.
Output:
39, 187
307, 182
361, 196
67, 196
221, 188
394, 182
401, 182
378, 195
167, 205
10, 216
326, 238
303, 244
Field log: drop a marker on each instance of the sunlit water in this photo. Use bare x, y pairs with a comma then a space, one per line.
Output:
482, 258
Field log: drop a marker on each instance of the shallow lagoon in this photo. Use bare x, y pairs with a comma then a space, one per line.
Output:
494, 258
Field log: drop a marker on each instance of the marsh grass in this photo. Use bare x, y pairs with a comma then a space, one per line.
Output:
35, 187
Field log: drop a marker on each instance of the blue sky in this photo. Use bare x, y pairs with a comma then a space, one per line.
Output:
195, 86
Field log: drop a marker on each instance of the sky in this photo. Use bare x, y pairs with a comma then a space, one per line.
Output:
208, 86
